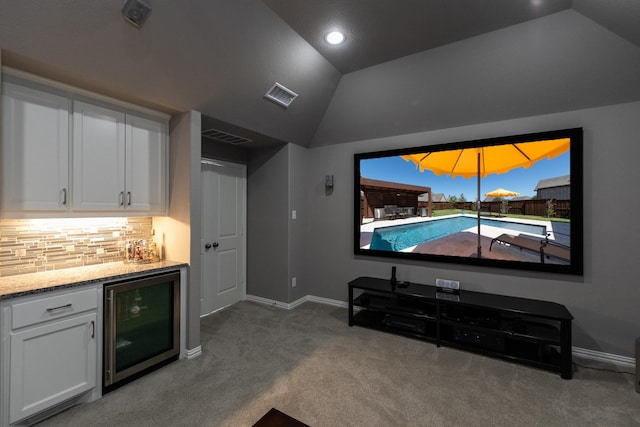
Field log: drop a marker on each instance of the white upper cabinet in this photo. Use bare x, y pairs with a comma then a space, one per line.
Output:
145, 160
98, 158
70, 154
119, 161
35, 150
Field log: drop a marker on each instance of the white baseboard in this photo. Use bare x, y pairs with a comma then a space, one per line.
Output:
275, 303
599, 356
622, 361
327, 301
294, 304
215, 311
192, 353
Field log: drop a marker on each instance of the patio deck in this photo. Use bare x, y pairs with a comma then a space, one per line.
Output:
465, 243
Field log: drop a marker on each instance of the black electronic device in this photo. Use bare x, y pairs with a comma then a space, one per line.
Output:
479, 338
394, 281
377, 199
413, 325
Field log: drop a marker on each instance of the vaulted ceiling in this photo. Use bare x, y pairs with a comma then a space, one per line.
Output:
387, 30
220, 57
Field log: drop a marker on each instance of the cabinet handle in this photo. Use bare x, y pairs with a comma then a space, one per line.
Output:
62, 307
93, 329
122, 198
128, 198
64, 196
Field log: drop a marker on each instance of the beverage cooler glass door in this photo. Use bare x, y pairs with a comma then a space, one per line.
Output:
142, 325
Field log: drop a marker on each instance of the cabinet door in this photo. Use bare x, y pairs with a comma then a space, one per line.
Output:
35, 149
146, 164
52, 363
98, 158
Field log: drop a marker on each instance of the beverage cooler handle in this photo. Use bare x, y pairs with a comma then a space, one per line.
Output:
110, 354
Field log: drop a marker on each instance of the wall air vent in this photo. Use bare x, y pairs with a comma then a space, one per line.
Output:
221, 136
281, 95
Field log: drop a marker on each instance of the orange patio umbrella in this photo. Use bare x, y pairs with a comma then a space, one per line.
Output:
493, 159
501, 192
482, 161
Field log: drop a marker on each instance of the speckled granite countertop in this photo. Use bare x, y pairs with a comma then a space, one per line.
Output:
32, 283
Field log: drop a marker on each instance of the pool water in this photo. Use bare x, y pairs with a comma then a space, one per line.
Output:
398, 237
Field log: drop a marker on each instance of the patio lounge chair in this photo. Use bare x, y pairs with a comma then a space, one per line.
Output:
544, 247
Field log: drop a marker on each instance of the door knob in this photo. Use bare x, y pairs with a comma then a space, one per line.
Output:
211, 245
207, 246
215, 244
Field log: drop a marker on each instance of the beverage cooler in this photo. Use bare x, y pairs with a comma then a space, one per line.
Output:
141, 327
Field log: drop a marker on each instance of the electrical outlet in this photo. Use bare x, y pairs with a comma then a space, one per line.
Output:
293, 282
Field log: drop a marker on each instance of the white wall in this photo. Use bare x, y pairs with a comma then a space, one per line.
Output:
604, 301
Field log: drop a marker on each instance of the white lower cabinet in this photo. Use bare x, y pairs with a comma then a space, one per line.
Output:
52, 350
52, 363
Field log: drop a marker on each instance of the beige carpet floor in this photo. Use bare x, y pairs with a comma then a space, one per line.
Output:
308, 363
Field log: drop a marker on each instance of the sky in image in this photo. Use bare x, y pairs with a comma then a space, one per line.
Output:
521, 180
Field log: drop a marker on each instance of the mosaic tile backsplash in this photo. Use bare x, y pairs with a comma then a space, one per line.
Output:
30, 246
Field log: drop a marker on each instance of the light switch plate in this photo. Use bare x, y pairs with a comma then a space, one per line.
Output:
328, 181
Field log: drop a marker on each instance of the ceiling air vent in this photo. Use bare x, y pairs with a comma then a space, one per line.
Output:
221, 136
281, 95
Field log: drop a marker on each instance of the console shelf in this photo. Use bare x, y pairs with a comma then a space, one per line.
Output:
532, 332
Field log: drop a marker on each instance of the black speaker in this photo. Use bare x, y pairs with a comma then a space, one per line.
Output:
136, 11
638, 365
394, 281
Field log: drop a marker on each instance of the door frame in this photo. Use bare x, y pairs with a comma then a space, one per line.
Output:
243, 168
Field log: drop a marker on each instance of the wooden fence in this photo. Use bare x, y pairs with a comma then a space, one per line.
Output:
561, 208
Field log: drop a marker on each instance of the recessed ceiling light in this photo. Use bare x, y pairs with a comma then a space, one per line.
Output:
334, 37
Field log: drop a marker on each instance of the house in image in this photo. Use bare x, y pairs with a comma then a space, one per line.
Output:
558, 188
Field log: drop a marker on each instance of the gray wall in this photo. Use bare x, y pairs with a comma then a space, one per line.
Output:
185, 211
298, 228
604, 302
268, 223
276, 243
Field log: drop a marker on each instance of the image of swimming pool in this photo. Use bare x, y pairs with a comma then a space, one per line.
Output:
399, 237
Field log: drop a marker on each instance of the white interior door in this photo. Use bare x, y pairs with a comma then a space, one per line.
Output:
223, 237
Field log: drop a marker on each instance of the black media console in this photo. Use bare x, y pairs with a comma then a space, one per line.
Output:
531, 332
